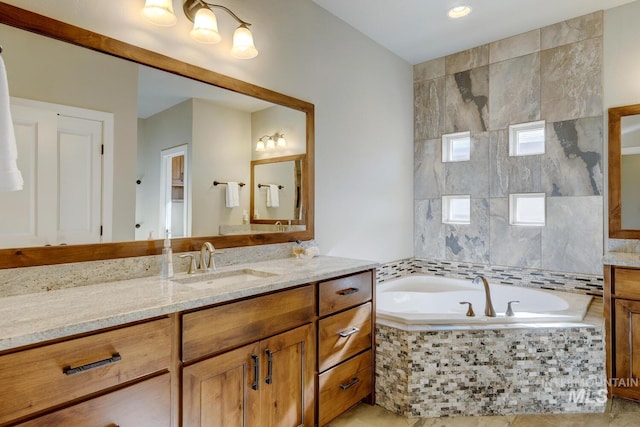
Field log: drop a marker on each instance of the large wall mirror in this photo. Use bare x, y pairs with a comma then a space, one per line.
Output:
118, 145
624, 172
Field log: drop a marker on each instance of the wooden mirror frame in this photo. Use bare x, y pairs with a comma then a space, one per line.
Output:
34, 256
615, 176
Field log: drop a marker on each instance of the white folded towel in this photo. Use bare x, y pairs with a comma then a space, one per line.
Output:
10, 176
233, 194
273, 198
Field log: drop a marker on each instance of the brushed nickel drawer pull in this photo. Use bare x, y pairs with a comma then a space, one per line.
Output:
68, 370
353, 382
347, 291
256, 372
351, 332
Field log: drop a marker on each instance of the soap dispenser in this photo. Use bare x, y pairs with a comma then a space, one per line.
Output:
166, 269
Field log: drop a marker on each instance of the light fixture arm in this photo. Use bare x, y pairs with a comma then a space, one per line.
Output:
190, 7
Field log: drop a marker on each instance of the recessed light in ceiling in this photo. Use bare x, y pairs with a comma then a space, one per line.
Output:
459, 11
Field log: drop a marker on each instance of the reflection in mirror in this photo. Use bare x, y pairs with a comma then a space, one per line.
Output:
188, 134
630, 171
36, 72
277, 189
624, 172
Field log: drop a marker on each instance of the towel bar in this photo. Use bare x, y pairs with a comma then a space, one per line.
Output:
241, 184
280, 187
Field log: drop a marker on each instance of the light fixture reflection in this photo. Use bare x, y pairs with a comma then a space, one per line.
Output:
160, 12
270, 142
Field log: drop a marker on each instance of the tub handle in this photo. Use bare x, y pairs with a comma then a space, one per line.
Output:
509, 311
347, 291
351, 332
470, 312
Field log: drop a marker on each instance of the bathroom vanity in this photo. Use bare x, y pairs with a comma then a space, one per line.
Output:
294, 347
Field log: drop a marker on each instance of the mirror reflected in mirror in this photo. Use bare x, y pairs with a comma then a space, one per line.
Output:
135, 140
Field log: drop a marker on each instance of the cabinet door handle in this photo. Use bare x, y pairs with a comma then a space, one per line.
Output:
347, 291
353, 382
269, 378
351, 332
68, 370
256, 372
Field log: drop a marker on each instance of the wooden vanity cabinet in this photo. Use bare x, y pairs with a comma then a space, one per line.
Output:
346, 344
266, 383
622, 323
50, 377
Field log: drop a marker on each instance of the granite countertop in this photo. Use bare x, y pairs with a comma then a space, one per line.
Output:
33, 318
622, 259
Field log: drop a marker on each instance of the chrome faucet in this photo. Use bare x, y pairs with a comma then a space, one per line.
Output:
488, 307
207, 264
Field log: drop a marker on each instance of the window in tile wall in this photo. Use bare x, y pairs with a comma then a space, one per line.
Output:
456, 209
526, 139
527, 209
456, 147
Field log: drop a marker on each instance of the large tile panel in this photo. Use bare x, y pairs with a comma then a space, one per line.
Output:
467, 101
572, 163
571, 31
572, 81
428, 173
470, 242
507, 174
514, 95
428, 109
512, 47
428, 70
467, 59
429, 240
513, 245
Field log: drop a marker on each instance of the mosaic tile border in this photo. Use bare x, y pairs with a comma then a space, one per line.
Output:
490, 372
560, 281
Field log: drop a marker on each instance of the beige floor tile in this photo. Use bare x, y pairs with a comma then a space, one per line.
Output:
364, 415
625, 419
568, 420
502, 421
624, 405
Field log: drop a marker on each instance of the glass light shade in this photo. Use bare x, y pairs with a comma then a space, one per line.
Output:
271, 143
260, 145
243, 47
160, 12
282, 142
205, 27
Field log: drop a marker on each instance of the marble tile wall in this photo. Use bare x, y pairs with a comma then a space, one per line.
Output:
552, 74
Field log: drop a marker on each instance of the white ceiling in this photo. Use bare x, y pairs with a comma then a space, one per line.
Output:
419, 30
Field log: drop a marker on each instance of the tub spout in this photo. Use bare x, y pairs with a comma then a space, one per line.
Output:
488, 308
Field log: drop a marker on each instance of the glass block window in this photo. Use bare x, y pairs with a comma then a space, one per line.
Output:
456, 147
527, 209
526, 139
456, 209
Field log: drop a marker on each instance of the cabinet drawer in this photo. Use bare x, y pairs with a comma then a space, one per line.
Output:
34, 380
219, 328
627, 283
343, 386
144, 404
344, 335
338, 294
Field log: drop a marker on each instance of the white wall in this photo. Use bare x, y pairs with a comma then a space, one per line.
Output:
362, 94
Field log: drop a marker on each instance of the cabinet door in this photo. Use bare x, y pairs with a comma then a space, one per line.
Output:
287, 386
627, 354
223, 390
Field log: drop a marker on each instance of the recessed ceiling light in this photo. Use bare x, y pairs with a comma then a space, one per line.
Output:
459, 11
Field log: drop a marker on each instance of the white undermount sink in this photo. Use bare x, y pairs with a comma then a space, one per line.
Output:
223, 278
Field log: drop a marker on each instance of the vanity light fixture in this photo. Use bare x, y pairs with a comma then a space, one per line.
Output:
269, 142
205, 24
459, 12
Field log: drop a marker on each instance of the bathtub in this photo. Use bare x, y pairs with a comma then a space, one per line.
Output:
433, 300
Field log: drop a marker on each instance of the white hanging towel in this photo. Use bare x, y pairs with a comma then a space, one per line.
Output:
233, 194
10, 176
273, 198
